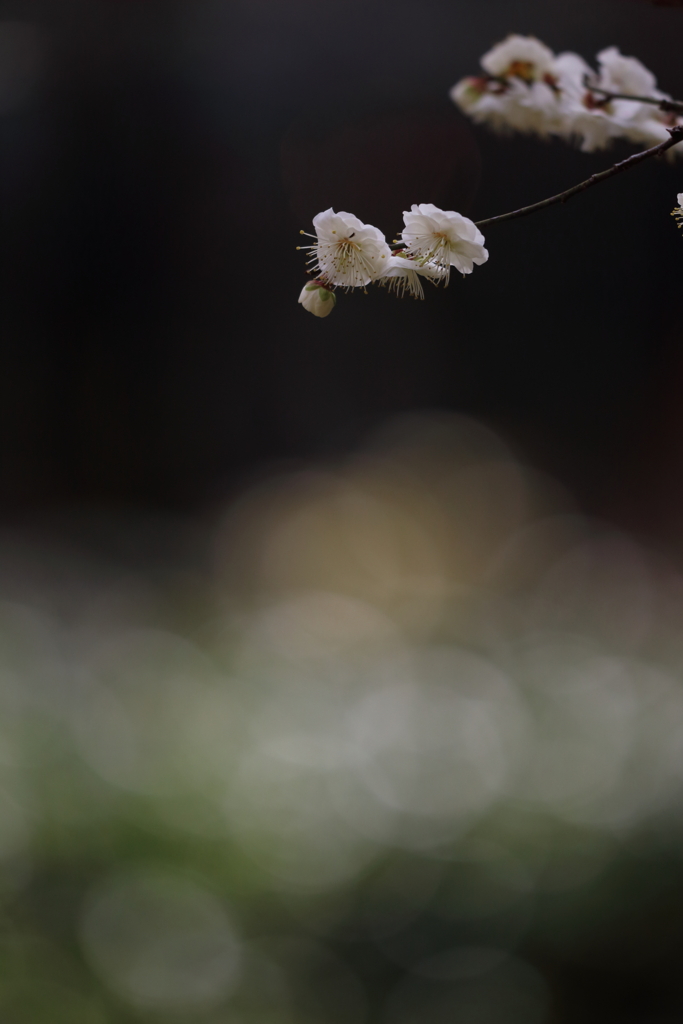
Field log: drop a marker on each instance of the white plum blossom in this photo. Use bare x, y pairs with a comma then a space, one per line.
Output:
403, 275
347, 253
514, 106
570, 72
592, 127
518, 91
677, 212
524, 87
624, 74
444, 238
486, 102
536, 107
650, 127
317, 299
518, 57
595, 119
470, 92
642, 123
350, 254
590, 119
527, 88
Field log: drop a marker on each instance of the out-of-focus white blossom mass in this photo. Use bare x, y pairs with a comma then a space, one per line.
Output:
398, 648
420, 666
527, 88
624, 74
521, 57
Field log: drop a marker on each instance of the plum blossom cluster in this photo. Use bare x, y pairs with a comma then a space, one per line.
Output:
677, 211
526, 87
348, 254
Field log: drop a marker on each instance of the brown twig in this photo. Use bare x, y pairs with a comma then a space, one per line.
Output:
676, 134
668, 106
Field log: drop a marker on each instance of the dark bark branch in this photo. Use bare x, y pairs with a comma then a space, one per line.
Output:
668, 106
595, 179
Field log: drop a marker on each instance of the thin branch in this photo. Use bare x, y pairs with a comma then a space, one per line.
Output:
668, 106
595, 179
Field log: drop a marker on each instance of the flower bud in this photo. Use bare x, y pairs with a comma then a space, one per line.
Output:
317, 299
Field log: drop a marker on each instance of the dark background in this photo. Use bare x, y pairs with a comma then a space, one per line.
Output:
155, 179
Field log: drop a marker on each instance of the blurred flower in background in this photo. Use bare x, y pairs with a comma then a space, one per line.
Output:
527, 88
395, 739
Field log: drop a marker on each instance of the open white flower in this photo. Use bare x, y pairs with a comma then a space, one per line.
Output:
650, 128
518, 92
590, 118
624, 74
403, 275
571, 72
585, 118
643, 123
519, 57
528, 89
535, 107
482, 99
347, 253
444, 238
595, 119
592, 125
514, 105
468, 92
317, 299
486, 101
